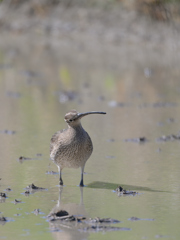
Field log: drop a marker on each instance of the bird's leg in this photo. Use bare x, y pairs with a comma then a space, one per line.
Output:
81, 182
60, 193
60, 178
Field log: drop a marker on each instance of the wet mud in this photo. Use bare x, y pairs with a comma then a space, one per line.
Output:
166, 138
16, 201
3, 197
32, 189
120, 191
3, 220
85, 224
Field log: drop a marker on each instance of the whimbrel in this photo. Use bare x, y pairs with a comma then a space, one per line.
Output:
72, 147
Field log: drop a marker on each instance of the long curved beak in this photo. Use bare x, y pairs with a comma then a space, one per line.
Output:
80, 115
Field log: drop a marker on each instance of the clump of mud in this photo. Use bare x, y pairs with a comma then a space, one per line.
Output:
34, 187
167, 138
86, 224
122, 191
137, 140
2, 195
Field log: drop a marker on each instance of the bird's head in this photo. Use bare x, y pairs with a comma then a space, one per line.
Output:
73, 117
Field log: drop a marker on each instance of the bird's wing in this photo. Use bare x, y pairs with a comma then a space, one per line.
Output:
54, 139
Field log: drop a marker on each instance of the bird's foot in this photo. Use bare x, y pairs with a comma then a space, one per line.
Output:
81, 183
61, 182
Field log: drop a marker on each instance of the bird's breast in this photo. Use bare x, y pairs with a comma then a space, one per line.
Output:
73, 151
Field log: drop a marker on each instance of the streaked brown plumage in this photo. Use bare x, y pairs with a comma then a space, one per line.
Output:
72, 147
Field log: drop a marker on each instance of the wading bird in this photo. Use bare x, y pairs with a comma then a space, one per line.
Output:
72, 147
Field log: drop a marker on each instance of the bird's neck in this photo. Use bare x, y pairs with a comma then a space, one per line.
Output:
76, 128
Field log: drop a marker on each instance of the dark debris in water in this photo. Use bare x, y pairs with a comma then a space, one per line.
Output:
3, 219
8, 132
17, 201
137, 140
166, 138
102, 220
2, 195
27, 192
33, 187
21, 159
8, 189
64, 216
122, 191
133, 219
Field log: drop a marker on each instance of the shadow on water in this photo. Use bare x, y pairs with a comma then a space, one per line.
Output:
113, 186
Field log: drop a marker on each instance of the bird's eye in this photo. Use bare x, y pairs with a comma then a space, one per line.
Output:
70, 120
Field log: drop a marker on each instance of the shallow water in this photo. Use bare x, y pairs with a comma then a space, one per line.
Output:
38, 85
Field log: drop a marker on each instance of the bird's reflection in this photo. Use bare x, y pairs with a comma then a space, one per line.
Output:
67, 229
